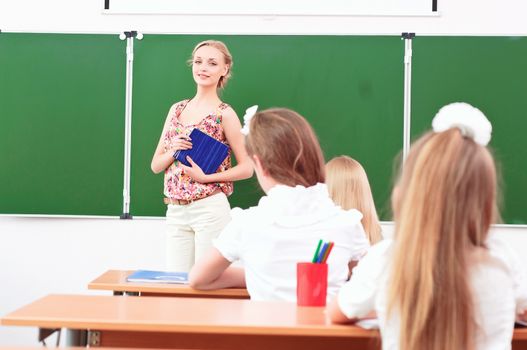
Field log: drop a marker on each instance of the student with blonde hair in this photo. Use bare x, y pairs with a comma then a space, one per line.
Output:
285, 227
197, 205
444, 282
349, 188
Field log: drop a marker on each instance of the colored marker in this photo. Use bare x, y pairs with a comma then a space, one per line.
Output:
315, 257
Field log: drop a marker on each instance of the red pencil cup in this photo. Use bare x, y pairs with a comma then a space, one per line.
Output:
311, 284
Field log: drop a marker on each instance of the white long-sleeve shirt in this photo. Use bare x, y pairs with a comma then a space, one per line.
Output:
498, 282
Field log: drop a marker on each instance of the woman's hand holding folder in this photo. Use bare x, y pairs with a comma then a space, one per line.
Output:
194, 171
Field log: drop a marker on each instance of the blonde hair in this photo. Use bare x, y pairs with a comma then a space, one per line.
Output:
227, 58
349, 188
444, 204
287, 147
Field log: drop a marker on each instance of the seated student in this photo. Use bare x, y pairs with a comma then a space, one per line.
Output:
349, 188
288, 222
444, 282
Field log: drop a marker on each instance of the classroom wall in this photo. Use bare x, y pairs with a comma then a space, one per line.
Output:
455, 17
39, 256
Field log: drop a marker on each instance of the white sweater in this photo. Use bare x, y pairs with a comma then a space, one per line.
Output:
284, 229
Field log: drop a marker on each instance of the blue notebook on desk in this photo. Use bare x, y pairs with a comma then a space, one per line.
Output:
148, 276
207, 152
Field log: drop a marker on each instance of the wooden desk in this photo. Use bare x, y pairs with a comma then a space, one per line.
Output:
151, 322
115, 280
147, 322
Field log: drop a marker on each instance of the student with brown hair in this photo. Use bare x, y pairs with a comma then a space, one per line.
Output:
288, 222
444, 282
197, 206
349, 188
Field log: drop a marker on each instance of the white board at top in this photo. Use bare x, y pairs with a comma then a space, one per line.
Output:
274, 7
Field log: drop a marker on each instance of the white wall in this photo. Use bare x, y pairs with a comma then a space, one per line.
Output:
504, 17
39, 256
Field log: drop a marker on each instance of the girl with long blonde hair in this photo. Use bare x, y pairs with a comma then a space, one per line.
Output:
349, 188
444, 282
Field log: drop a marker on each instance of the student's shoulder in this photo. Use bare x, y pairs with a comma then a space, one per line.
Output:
497, 245
244, 224
240, 215
347, 225
503, 251
374, 263
377, 258
350, 217
254, 216
382, 248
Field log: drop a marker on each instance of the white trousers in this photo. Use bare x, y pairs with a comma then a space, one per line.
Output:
191, 229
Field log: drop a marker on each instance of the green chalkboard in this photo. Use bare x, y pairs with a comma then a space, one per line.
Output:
62, 102
349, 88
491, 74
61, 124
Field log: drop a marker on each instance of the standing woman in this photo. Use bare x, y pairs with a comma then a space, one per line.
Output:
198, 208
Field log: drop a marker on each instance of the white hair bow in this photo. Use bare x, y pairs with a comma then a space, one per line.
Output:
470, 120
249, 114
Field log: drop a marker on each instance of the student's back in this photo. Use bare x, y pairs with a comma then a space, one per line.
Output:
493, 276
494, 273
284, 229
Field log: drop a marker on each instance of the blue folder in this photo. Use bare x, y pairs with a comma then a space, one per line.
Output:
149, 276
207, 152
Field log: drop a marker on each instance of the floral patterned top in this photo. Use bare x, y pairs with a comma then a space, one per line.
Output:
178, 185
